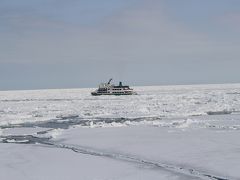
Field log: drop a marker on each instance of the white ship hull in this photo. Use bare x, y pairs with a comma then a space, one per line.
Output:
95, 93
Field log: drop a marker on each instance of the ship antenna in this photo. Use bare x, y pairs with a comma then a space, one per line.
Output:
109, 81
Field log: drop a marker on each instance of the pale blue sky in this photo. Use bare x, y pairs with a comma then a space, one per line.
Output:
79, 43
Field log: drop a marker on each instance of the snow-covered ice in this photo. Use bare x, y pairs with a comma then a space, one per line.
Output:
164, 132
162, 101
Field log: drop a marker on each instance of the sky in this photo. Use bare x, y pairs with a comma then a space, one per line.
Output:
80, 43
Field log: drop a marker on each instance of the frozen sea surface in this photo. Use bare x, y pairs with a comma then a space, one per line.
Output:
164, 132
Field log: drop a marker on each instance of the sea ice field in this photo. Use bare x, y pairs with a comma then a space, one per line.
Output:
164, 132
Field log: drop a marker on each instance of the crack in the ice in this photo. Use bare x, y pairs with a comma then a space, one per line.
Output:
30, 139
75, 120
65, 123
124, 157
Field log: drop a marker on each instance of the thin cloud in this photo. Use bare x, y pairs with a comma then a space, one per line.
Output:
136, 34
231, 19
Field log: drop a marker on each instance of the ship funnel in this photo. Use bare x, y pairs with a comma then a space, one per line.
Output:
120, 83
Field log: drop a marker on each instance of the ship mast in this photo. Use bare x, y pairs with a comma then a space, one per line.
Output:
109, 81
